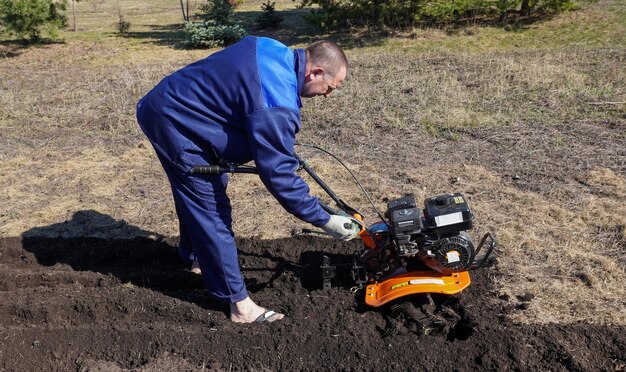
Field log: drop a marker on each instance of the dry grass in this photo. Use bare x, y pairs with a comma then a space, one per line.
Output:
443, 92
534, 136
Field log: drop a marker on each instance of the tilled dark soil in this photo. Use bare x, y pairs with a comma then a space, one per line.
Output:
90, 304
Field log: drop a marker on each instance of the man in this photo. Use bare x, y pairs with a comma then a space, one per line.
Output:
238, 105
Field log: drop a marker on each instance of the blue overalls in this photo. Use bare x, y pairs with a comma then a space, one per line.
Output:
237, 105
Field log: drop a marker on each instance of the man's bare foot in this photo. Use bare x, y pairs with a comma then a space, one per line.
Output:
195, 267
246, 311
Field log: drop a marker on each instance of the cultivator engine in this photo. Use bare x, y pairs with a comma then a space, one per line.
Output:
414, 251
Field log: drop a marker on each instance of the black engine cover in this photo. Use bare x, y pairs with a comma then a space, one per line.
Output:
405, 218
447, 214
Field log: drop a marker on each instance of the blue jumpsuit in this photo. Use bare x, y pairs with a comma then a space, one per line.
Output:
237, 105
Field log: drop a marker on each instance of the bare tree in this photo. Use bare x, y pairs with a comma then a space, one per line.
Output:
74, 15
96, 4
184, 6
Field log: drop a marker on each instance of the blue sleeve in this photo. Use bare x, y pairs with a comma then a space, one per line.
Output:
271, 136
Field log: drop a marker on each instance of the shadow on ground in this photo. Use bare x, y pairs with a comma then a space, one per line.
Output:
96, 242
172, 35
14, 48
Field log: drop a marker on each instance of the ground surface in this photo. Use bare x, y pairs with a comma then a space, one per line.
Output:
99, 305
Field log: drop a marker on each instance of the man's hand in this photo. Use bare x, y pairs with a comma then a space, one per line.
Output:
342, 227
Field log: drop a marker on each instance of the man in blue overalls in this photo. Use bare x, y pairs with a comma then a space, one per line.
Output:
238, 105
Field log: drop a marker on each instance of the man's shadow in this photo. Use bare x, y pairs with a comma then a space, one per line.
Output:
92, 241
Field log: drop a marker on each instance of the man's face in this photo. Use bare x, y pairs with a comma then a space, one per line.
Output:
318, 83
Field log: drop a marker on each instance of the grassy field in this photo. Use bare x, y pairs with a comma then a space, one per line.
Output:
529, 122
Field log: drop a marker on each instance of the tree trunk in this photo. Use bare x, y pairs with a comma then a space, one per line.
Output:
525, 10
185, 15
503, 17
74, 16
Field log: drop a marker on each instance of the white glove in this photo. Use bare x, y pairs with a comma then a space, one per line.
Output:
341, 227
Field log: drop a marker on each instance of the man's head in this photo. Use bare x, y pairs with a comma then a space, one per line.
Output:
326, 69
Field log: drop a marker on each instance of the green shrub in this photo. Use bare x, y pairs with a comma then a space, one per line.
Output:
444, 11
26, 18
337, 14
210, 35
269, 18
217, 11
402, 13
217, 28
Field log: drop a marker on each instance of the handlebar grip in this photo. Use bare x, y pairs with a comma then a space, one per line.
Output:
328, 209
206, 169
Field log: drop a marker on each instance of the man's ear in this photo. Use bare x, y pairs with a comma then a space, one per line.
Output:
317, 71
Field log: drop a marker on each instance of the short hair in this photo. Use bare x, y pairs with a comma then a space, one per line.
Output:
328, 55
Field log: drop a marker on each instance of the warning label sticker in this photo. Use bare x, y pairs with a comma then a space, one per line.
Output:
453, 256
